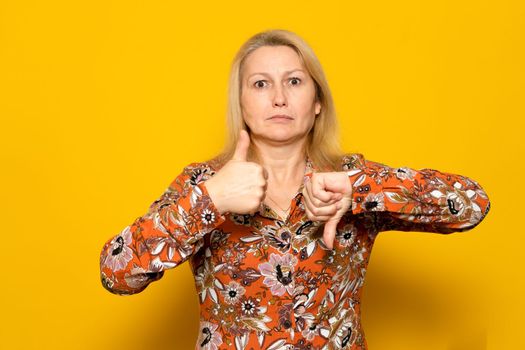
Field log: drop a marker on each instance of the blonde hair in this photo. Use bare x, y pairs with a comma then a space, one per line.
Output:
322, 146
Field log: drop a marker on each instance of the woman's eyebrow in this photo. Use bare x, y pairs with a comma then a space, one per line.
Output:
267, 74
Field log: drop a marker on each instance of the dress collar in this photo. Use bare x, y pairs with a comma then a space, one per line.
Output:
308, 171
310, 167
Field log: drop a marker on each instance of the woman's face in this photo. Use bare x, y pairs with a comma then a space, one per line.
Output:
274, 81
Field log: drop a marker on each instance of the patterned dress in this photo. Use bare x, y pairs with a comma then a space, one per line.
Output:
266, 282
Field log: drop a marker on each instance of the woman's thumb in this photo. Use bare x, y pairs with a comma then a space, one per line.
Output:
330, 229
241, 150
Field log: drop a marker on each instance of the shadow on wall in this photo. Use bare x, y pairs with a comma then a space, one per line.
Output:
476, 340
404, 310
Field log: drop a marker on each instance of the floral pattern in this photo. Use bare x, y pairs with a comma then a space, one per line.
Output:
267, 282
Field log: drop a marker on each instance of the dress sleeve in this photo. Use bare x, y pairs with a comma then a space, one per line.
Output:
166, 236
405, 199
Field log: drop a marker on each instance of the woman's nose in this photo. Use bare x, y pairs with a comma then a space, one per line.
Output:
279, 98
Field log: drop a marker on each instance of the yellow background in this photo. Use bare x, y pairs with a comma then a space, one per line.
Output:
103, 102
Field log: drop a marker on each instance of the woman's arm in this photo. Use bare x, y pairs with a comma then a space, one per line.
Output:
405, 199
166, 236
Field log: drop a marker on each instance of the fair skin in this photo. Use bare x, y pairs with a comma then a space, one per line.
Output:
274, 81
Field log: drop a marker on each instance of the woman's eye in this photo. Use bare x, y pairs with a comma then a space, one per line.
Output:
296, 79
260, 83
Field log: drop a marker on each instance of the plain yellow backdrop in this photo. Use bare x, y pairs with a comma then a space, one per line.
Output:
102, 103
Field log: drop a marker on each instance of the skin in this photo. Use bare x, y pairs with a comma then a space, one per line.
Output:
274, 81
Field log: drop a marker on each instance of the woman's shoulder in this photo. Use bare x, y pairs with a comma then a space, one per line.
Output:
200, 170
193, 173
352, 161
359, 161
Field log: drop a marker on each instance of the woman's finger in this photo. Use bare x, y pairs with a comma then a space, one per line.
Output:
315, 202
312, 217
328, 210
318, 190
325, 211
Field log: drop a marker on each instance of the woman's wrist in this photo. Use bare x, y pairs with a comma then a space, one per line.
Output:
214, 195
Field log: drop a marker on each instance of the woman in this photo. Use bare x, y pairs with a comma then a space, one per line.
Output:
279, 227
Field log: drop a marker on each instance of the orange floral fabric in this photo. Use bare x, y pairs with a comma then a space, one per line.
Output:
266, 282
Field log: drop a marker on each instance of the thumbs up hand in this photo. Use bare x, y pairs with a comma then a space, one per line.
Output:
328, 197
239, 186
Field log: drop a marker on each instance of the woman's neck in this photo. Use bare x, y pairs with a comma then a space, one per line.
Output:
285, 164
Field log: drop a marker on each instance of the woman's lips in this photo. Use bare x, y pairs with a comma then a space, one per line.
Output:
281, 119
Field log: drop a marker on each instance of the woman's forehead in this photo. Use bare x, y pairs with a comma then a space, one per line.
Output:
272, 59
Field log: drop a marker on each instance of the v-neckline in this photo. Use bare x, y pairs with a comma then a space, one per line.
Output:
270, 212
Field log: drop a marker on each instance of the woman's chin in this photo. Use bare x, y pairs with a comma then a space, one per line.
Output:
284, 137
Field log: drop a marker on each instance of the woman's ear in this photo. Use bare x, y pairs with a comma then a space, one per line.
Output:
317, 108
